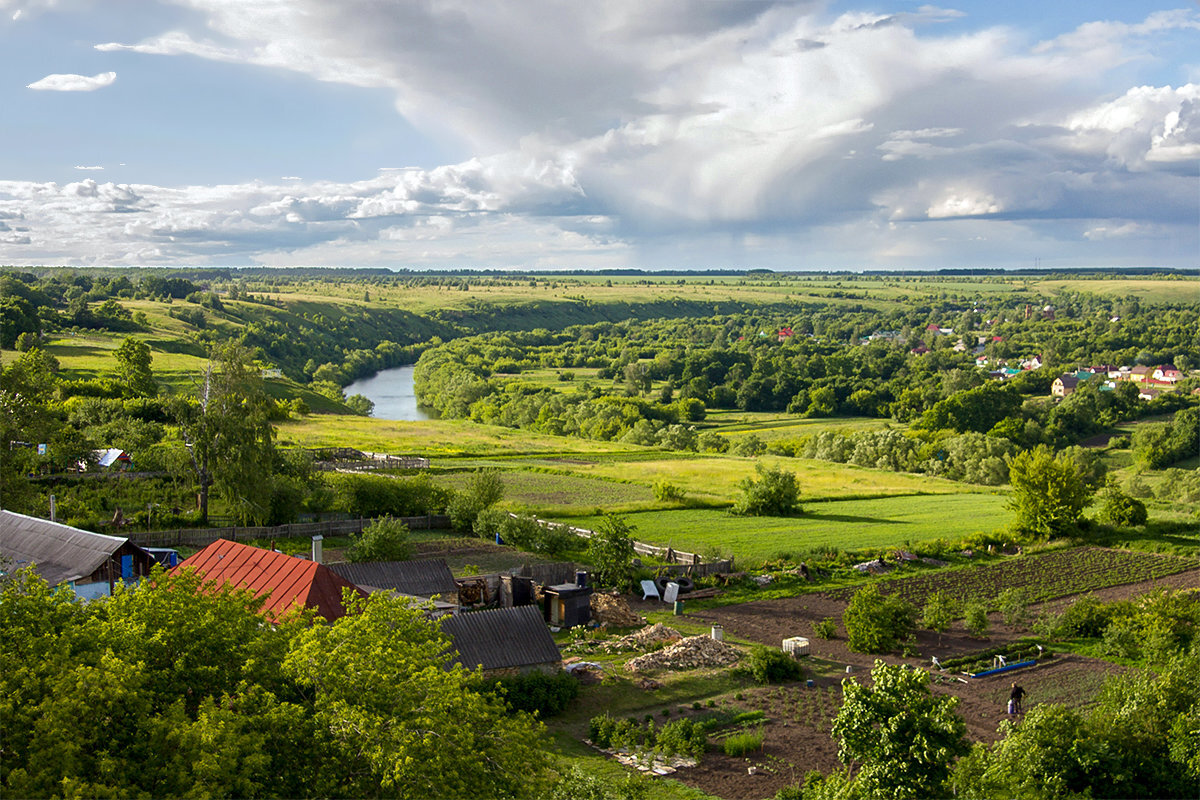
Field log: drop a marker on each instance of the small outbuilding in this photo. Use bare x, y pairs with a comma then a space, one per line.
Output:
503, 641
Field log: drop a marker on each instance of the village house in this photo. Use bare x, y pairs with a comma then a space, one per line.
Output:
286, 583
90, 563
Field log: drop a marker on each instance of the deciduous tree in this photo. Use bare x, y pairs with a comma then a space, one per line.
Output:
1049, 492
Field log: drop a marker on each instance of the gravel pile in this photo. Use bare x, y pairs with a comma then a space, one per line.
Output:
647, 638
613, 611
690, 653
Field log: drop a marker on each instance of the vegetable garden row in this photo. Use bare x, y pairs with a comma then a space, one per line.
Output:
1043, 576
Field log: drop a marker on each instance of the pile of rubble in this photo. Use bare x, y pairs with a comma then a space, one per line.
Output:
647, 638
690, 653
613, 611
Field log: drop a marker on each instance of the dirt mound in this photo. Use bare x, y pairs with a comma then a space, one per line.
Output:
690, 653
613, 611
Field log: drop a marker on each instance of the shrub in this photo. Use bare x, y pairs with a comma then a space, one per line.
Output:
975, 619
1120, 509
1014, 605
386, 539
1087, 618
548, 695
667, 492
825, 629
939, 612
875, 622
774, 494
739, 744
1121, 639
683, 737
768, 665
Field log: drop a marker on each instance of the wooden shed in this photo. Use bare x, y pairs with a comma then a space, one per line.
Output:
91, 563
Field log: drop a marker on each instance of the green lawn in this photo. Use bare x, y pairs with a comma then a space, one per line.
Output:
842, 525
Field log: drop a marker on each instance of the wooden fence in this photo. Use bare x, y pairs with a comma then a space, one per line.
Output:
679, 562
199, 537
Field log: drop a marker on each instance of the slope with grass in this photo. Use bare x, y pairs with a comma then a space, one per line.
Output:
830, 526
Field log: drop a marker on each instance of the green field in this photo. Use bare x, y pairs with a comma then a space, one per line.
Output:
840, 525
431, 438
555, 493
716, 478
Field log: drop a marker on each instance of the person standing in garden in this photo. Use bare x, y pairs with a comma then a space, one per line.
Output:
1014, 699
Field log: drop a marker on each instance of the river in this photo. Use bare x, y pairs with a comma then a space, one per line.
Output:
391, 390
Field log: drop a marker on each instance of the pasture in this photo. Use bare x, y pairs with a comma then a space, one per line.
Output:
431, 438
836, 525
715, 478
556, 493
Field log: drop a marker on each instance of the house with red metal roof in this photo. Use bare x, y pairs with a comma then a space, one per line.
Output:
291, 582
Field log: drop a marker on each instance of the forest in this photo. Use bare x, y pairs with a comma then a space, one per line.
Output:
802, 424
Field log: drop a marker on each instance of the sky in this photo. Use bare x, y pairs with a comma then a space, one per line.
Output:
558, 134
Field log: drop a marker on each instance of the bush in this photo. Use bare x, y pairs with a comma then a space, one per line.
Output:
774, 494
1014, 605
1120, 509
975, 619
385, 539
548, 695
739, 744
682, 737
939, 612
825, 629
768, 665
667, 492
875, 623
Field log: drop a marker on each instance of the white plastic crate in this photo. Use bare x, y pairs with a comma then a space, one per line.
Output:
797, 646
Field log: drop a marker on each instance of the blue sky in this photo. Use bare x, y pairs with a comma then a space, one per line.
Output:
541, 134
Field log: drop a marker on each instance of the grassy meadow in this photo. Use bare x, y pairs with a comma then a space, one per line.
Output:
831, 526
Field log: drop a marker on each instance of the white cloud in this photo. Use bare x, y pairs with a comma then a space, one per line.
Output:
1121, 230
73, 83
739, 126
77, 166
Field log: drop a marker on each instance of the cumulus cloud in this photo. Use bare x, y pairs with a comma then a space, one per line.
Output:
67, 82
78, 166
741, 127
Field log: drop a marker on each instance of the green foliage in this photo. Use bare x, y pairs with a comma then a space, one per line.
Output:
939, 612
1013, 603
682, 737
1049, 492
610, 552
977, 409
228, 433
163, 690
484, 489
133, 368
774, 494
667, 492
768, 665
826, 628
575, 784
1118, 508
904, 737
376, 495
385, 539
547, 695
526, 532
360, 405
741, 744
1139, 740
1158, 446
875, 622
975, 619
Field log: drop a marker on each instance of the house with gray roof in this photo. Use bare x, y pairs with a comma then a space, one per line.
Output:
421, 578
91, 563
503, 641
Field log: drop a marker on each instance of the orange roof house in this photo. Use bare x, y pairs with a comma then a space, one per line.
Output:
292, 582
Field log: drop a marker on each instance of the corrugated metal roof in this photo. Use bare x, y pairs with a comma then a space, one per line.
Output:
502, 638
292, 582
60, 552
423, 578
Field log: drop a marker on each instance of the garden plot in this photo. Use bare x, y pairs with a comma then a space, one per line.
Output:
1043, 576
